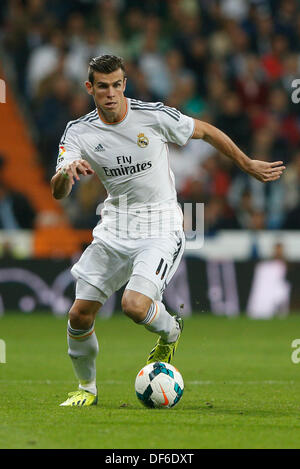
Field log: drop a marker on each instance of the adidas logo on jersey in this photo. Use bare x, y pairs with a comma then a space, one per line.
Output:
99, 147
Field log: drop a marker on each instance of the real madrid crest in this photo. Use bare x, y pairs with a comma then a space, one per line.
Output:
142, 140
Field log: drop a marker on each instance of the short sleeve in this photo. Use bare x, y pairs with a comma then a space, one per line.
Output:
69, 149
175, 127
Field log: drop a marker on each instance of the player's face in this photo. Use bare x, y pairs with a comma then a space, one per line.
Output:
108, 92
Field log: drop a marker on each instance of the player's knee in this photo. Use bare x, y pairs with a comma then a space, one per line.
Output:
135, 305
80, 318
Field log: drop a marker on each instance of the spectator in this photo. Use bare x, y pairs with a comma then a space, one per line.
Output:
291, 69
270, 290
191, 103
285, 19
152, 61
272, 62
264, 30
234, 121
197, 62
231, 63
44, 59
291, 183
217, 216
251, 85
16, 212
235, 9
280, 110
263, 199
52, 113
176, 69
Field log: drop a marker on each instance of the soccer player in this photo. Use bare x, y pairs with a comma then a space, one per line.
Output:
140, 239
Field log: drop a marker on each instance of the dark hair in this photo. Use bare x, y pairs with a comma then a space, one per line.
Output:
105, 64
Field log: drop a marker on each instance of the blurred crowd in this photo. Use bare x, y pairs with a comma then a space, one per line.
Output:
228, 62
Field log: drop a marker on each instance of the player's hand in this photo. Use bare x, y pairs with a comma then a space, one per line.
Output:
265, 171
74, 169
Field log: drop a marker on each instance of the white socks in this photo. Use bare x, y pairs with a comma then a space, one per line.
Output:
83, 349
158, 320
83, 344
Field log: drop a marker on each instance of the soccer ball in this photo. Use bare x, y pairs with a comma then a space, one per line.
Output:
159, 385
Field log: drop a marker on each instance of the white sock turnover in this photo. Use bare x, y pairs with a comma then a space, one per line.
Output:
83, 349
158, 320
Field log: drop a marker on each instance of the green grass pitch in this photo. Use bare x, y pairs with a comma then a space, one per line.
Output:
241, 388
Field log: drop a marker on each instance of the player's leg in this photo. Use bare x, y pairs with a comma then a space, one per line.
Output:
153, 267
83, 344
100, 271
152, 314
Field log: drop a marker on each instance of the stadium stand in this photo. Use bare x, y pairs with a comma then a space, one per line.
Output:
232, 63
21, 172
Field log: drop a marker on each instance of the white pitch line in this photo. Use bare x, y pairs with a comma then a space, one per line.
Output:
272, 382
190, 383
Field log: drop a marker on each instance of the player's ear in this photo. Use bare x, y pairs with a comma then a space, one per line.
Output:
89, 87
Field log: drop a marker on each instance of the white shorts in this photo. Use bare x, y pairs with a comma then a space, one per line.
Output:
146, 264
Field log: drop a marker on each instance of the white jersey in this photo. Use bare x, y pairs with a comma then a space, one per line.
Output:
131, 159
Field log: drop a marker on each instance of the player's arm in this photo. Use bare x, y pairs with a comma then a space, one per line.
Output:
264, 171
65, 177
